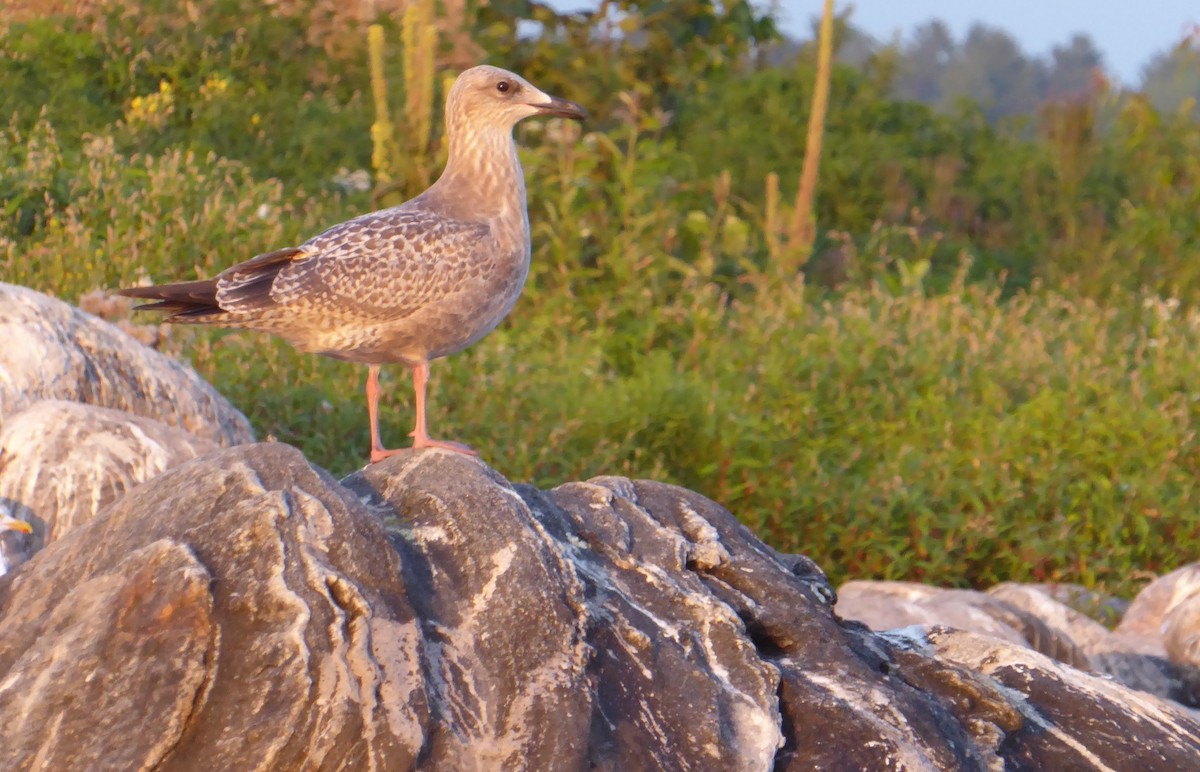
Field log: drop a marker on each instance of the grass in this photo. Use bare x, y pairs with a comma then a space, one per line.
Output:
912, 415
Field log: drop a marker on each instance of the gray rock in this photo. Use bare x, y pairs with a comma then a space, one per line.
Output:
886, 605
54, 351
890, 605
1181, 641
1075, 720
1124, 657
128, 641
245, 611
266, 601
62, 462
1181, 637
1021, 614
1084, 631
1148, 611
1105, 609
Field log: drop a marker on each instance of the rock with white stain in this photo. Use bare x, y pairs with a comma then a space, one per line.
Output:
1133, 660
62, 462
239, 611
890, 605
1029, 615
1070, 719
54, 351
244, 610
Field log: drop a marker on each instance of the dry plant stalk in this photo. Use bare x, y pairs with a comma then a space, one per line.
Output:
771, 217
383, 135
420, 39
803, 228
402, 165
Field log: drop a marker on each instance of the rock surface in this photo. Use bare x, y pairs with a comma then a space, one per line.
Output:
62, 462
1036, 616
54, 351
245, 610
1150, 610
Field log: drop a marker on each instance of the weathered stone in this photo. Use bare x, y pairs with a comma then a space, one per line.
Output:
427, 614
890, 605
1023, 614
310, 657
1181, 635
1181, 640
54, 351
62, 462
1123, 657
1105, 609
884, 605
1074, 720
1150, 608
128, 642
1079, 627
501, 612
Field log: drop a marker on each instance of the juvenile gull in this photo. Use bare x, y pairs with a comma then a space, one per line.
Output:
402, 285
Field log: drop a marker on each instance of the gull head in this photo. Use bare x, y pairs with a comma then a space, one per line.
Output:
8, 523
12, 553
490, 97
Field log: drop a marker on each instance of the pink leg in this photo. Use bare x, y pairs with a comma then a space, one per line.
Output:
420, 434
378, 452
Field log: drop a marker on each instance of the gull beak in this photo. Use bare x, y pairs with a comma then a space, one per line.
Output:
561, 108
12, 524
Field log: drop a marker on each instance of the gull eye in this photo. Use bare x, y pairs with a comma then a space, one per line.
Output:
503, 86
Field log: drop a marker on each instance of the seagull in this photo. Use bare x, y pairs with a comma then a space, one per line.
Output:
10, 555
404, 285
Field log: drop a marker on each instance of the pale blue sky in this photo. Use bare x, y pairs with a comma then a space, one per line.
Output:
1128, 32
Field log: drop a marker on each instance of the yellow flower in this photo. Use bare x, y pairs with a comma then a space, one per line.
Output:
215, 85
152, 109
255, 120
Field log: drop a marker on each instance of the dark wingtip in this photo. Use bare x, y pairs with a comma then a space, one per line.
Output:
137, 292
186, 301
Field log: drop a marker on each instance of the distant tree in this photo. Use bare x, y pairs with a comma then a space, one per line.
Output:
658, 49
851, 45
1072, 70
923, 63
1172, 77
991, 69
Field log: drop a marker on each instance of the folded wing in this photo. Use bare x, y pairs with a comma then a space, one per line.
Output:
381, 265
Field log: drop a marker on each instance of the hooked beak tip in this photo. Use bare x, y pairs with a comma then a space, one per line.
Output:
562, 108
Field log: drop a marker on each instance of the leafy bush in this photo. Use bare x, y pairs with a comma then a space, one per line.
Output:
904, 411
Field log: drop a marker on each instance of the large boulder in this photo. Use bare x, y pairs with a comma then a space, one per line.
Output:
1165, 619
62, 462
244, 610
1036, 616
54, 351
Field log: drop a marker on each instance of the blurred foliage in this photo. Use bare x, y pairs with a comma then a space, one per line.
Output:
985, 372
660, 49
1171, 80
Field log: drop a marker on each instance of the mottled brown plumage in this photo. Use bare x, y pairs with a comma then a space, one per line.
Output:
402, 285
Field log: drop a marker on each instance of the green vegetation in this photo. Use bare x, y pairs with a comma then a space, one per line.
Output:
986, 372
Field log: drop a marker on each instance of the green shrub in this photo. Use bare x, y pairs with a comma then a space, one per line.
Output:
916, 416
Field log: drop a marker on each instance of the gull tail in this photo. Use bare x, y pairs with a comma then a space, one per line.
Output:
189, 302
244, 289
